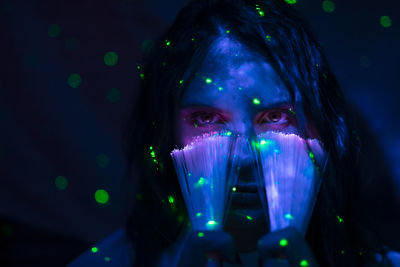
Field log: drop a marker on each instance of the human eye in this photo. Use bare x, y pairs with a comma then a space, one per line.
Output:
276, 118
205, 118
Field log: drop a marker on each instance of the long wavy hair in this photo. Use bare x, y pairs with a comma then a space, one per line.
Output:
339, 232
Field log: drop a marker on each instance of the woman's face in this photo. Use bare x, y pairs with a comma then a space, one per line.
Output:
236, 90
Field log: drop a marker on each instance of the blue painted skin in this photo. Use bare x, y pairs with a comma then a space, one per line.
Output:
221, 97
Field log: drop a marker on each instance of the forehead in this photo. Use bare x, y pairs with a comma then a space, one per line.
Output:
232, 76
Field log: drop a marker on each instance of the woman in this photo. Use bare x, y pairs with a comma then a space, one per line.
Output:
200, 77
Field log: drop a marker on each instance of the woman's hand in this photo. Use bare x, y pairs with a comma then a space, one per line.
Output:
200, 247
285, 247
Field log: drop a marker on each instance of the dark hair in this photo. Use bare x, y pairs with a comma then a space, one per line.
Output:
274, 30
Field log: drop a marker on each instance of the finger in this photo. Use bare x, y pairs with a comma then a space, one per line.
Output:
286, 244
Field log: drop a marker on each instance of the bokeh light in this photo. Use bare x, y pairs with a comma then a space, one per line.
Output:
102, 160
61, 182
71, 44
74, 80
114, 95
283, 242
54, 30
386, 21
304, 263
291, 2
111, 58
328, 6
95, 249
147, 46
101, 196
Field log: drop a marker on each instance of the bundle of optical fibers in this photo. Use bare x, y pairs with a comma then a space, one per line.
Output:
206, 176
290, 167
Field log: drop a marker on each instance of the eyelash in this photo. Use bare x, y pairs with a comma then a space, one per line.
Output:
195, 117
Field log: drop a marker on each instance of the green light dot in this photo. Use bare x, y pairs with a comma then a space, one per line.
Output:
193, 39
71, 44
141, 76
101, 196
167, 42
340, 219
311, 155
107, 259
198, 214
289, 216
153, 154
113, 95
234, 189
171, 199
61, 182
386, 21
74, 80
54, 30
208, 81
228, 133
268, 38
240, 88
256, 101
95, 249
212, 223
228, 31
102, 160
181, 81
291, 2
304, 263
111, 58
249, 218
328, 6
283, 243
342, 252
220, 88
200, 234
261, 13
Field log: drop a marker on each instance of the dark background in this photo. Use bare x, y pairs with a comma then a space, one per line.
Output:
52, 125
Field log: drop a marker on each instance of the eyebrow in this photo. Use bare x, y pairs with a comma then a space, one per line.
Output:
274, 105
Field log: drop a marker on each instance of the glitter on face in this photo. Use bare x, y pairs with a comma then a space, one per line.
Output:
101, 196
283, 243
